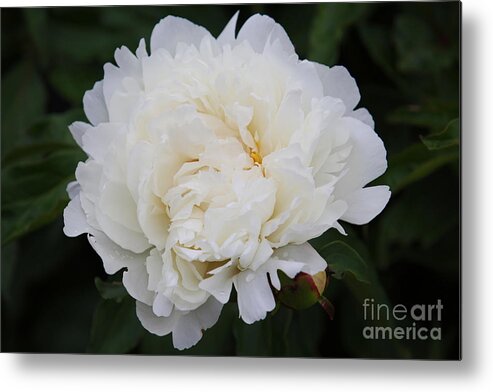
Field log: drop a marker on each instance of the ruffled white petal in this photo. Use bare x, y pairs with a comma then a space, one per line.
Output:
255, 297
154, 265
162, 306
172, 30
124, 237
78, 129
114, 257
75, 220
73, 189
136, 280
116, 202
88, 175
94, 104
367, 160
220, 284
338, 83
364, 116
228, 35
365, 204
96, 141
259, 30
290, 268
189, 328
160, 326
305, 254
186, 327
141, 51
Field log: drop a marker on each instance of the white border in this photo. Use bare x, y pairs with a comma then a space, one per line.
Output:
474, 373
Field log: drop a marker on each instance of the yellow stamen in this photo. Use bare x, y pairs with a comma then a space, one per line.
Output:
256, 157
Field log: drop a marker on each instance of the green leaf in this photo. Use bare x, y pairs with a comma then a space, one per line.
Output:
47, 135
424, 116
54, 127
36, 173
418, 48
93, 42
110, 289
424, 213
73, 88
34, 191
378, 44
23, 101
343, 259
414, 164
449, 137
329, 27
115, 327
37, 26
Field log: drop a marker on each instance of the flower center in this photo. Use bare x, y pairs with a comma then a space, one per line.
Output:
256, 157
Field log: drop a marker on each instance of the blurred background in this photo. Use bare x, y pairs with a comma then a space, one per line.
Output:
55, 296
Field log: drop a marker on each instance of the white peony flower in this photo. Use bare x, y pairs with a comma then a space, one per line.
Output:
211, 164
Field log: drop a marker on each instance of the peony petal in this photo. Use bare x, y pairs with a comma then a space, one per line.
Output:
290, 268
220, 284
96, 141
367, 159
364, 116
152, 217
113, 77
260, 29
114, 257
139, 166
255, 297
121, 235
127, 61
154, 266
73, 189
338, 83
188, 329
162, 306
173, 30
208, 314
75, 219
365, 204
141, 51
117, 203
228, 35
157, 325
88, 175
188, 300
123, 105
238, 116
78, 129
123, 85
288, 120
304, 253
263, 253
187, 333
94, 104
136, 281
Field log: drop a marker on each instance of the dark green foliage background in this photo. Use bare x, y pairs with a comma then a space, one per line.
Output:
405, 58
